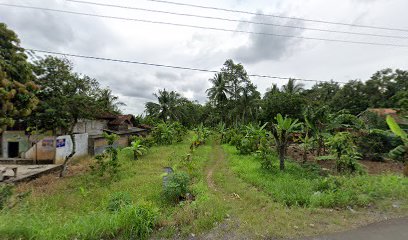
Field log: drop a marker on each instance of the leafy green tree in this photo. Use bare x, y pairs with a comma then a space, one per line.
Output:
17, 89
287, 104
236, 77
351, 97
249, 103
281, 131
65, 97
321, 94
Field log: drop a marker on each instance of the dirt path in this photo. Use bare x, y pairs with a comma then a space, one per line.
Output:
395, 229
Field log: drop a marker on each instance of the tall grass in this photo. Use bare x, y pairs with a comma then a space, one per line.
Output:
305, 187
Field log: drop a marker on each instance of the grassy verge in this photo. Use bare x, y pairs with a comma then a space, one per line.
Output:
76, 206
257, 201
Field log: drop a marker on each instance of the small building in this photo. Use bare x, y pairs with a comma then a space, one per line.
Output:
121, 125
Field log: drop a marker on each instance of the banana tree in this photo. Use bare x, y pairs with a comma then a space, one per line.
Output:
281, 132
402, 150
137, 148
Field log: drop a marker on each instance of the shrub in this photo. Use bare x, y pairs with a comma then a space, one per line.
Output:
176, 187
108, 161
119, 200
138, 221
163, 134
345, 152
375, 144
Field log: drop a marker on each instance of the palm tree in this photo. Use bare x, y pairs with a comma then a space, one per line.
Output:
249, 101
169, 103
274, 89
292, 87
219, 92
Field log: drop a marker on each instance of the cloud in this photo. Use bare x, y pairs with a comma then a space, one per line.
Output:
261, 47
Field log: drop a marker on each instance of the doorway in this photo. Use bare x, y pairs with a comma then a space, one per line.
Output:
13, 149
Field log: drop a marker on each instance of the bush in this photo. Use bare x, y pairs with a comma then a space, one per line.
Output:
176, 187
119, 200
138, 221
376, 144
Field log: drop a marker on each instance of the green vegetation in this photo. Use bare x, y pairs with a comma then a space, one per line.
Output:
230, 167
301, 186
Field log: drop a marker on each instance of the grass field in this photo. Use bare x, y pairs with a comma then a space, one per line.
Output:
233, 197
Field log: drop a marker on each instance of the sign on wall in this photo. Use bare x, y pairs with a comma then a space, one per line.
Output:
48, 143
60, 142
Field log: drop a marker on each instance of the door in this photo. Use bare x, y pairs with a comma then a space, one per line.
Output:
13, 150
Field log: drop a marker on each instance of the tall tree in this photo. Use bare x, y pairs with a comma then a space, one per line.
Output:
168, 105
292, 87
236, 77
219, 92
17, 89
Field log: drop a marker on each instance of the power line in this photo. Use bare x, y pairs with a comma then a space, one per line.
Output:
207, 28
280, 16
238, 21
170, 66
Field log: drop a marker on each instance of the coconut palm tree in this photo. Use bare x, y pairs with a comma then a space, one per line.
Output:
292, 87
219, 92
169, 103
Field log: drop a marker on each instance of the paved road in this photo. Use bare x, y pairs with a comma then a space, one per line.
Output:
394, 229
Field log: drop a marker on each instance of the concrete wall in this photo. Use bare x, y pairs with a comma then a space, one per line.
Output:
98, 144
14, 136
64, 147
92, 127
43, 150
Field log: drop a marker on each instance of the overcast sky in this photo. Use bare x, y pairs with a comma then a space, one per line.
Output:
208, 49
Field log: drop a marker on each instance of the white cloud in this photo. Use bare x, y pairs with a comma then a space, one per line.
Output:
207, 49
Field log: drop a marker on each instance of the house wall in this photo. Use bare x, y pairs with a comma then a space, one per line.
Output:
43, 150
64, 147
92, 127
14, 136
98, 144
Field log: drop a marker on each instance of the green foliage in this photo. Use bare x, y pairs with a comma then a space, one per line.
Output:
17, 88
345, 152
200, 136
119, 200
6, 191
67, 96
108, 161
280, 132
285, 104
138, 221
168, 133
402, 150
137, 148
375, 144
176, 187
265, 154
298, 186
